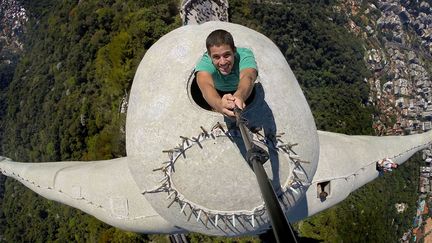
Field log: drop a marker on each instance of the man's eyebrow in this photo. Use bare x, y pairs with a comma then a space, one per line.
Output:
224, 53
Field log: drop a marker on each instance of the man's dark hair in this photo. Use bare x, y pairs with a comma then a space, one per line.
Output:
220, 37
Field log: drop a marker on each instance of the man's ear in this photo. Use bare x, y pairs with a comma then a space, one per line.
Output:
208, 51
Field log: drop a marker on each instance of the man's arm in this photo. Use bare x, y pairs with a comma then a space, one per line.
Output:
222, 105
245, 87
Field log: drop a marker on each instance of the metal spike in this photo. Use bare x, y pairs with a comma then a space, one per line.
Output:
206, 219
160, 168
297, 171
294, 190
297, 180
147, 191
303, 183
221, 127
281, 145
280, 134
204, 131
190, 215
169, 196
170, 153
303, 161
185, 140
196, 140
179, 148
199, 215
292, 144
169, 205
183, 208
216, 219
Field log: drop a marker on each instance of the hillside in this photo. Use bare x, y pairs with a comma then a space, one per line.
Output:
64, 102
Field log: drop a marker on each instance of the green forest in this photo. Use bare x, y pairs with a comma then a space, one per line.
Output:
62, 102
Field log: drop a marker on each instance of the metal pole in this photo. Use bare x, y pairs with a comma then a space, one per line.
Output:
256, 156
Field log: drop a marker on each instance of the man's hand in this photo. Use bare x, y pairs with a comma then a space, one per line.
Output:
239, 102
227, 105
229, 102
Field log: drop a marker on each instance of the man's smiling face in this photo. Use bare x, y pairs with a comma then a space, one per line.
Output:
223, 58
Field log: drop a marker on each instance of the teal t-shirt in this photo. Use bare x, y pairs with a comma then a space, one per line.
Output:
244, 58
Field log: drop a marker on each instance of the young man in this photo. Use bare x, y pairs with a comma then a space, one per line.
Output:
226, 74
